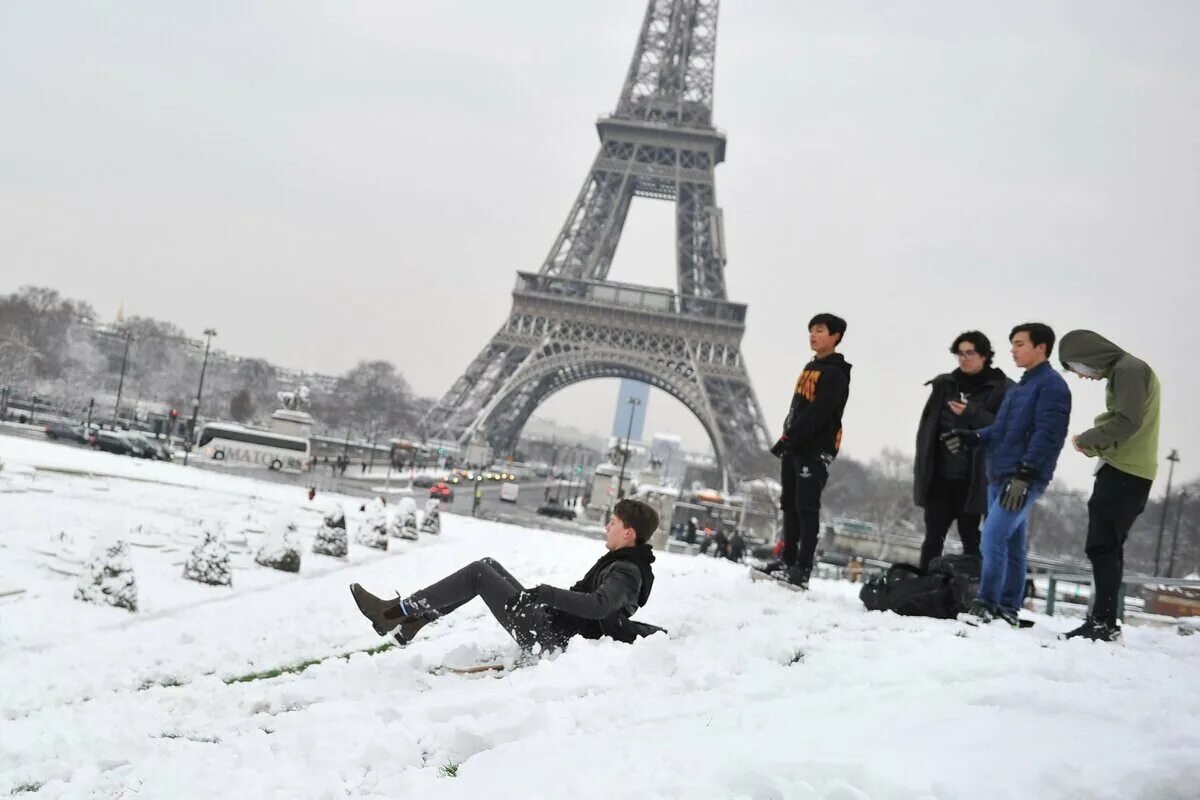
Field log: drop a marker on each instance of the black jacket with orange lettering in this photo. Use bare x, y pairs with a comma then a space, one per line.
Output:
814, 421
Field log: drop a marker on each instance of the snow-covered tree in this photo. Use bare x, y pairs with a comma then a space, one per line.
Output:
331, 538
209, 561
374, 530
280, 550
432, 521
108, 577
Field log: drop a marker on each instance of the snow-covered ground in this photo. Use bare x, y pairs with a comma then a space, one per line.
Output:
757, 693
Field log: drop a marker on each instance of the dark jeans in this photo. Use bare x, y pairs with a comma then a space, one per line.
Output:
803, 479
488, 580
1117, 500
946, 503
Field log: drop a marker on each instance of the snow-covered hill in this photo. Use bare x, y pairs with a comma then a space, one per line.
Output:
757, 693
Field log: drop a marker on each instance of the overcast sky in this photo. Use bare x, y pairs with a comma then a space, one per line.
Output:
325, 182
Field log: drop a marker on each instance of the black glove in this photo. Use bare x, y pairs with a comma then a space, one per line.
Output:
1016, 489
781, 447
960, 439
527, 599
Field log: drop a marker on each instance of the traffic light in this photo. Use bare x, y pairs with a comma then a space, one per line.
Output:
578, 468
441, 451
174, 415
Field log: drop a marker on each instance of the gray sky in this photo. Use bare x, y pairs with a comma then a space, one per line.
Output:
328, 182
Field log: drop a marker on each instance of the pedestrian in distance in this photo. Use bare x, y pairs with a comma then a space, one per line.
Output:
544, 617
952, 487
812, 436
1022, 447
1124, 439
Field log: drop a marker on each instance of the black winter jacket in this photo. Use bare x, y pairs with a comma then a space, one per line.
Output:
814, 421
602, 602
982, 404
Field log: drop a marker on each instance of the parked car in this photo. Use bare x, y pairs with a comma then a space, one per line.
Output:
65, 430
552, 509
151, 448
442, 491
424, 481
509, 492
112, 442
140, 445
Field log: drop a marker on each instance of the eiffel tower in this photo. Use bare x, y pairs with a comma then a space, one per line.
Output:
569, 323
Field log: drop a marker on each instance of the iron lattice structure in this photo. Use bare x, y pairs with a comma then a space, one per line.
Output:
569, 323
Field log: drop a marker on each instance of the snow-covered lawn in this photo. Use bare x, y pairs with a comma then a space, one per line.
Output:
757, 693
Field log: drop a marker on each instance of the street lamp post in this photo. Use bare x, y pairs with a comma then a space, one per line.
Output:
1173, 457
208, 334
633, 404
1180, 499
121, 382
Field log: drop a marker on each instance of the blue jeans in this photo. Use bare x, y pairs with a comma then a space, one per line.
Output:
1002, 584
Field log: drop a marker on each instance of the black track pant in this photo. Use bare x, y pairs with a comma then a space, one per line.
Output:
1117, 500
945, 504
488, 580
803, 479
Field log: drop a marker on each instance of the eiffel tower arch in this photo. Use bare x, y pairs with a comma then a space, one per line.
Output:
569, 323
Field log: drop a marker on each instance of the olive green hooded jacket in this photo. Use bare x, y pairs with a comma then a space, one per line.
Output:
1126, 434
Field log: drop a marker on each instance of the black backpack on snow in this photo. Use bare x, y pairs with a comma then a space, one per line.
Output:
908, 591
964, 572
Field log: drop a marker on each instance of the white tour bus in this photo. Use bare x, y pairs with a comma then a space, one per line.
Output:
228, 440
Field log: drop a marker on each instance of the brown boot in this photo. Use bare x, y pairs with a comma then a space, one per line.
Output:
411, 625
375, 609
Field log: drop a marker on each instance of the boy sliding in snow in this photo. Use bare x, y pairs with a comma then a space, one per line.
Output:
544, 617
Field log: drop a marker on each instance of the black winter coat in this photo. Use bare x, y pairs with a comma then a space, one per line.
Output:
982, 405
602, 602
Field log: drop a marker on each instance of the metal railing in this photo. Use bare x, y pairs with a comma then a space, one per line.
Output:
1054, 578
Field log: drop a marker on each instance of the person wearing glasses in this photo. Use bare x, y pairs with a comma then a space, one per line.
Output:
952, 487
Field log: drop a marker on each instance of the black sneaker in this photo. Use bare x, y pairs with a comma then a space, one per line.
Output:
798, 576
772, 568
981, 610
1095, 630
1010, 616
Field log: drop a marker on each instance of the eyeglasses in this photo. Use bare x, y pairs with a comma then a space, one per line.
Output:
966, 354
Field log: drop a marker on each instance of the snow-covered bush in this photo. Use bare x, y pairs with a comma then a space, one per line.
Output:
280, 550
374, 530
432, 521
209, 561
108, 577
331, 538
404, 523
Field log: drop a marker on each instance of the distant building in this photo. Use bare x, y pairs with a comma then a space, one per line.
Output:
665, 448
629, 389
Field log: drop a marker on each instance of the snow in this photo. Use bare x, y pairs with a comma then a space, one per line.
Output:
757, 693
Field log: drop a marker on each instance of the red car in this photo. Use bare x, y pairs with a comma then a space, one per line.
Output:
442, 491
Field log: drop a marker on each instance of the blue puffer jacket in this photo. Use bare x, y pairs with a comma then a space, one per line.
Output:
1030, 427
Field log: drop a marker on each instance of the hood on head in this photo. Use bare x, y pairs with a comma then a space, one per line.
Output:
1090, 349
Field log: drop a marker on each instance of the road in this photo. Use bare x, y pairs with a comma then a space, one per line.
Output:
394, 487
